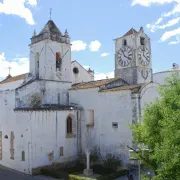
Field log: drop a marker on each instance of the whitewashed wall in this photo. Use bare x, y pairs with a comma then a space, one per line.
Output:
47, 60
48, 133
10, 85
37, 133
149, 92
82, 76
48, 90
108, 108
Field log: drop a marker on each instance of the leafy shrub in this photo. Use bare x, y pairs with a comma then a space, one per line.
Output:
100, 169
74, 177
95, 156
111, 161
73, 167
51, 172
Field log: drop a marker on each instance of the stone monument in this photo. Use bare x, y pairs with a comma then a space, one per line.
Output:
88, 171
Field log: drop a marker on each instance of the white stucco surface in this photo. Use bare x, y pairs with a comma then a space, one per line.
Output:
83, 75
101, 111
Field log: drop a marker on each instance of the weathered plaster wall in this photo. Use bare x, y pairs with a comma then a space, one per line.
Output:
108, 107
37, 133
11, 85
49, 91
47, 60
149, 92
82, 76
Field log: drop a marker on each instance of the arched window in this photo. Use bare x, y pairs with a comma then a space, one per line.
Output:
69, 125
23, 156
61, 151
58, 61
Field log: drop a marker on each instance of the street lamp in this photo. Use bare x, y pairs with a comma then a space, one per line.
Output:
132, 153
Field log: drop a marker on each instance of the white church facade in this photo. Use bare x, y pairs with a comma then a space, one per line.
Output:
57, 110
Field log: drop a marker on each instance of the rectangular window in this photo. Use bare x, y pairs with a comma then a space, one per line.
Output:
90, 117
115, 125
58, 98
23, 156
61, 151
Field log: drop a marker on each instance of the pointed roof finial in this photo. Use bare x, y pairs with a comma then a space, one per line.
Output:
50, 12
34, 34
66, 33
141, 29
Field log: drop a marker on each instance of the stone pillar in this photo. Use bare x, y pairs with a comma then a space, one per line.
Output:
88, 172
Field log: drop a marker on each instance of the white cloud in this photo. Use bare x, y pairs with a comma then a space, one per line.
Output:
18, 66
175, 10
169, 34
104, 54
94, 45
78, 45
32, 2
149, 2
173, 42
170, 23
17, 7
99, 76
172, 14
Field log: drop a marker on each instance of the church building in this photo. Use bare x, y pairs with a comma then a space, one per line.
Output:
57, 110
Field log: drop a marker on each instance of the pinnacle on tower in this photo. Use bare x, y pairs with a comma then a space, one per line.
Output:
34, 34
66, 33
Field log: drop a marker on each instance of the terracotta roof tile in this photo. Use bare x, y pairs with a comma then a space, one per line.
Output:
126, 87
131, 31
92, 84
12, 79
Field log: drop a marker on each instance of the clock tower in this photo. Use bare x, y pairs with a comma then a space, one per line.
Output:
133, 57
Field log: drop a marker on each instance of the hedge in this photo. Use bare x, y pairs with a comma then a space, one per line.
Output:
74, 177
106, 177
113, 175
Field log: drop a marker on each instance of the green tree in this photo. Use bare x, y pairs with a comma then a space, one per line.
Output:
160, 131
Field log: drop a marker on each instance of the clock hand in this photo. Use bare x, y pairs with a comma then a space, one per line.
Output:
145, 56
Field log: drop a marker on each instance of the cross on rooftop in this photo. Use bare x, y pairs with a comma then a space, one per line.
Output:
9, 69
50, 12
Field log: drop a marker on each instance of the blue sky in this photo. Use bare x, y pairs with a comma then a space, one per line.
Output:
92, 26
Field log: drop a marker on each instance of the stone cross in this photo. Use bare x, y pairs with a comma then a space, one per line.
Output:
88, 172
9, 69
50, 12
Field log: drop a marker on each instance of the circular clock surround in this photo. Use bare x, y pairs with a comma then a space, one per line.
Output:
143, 56
125, 56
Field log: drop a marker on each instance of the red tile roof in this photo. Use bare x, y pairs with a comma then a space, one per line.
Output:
131, 31
92, 84
12, 79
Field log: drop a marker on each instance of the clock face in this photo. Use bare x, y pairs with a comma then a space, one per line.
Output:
124, 56
143, 56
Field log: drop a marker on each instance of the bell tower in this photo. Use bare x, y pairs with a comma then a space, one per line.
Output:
133, 57
50, 54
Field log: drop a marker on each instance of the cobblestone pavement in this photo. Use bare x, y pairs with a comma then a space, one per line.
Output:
7, 174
